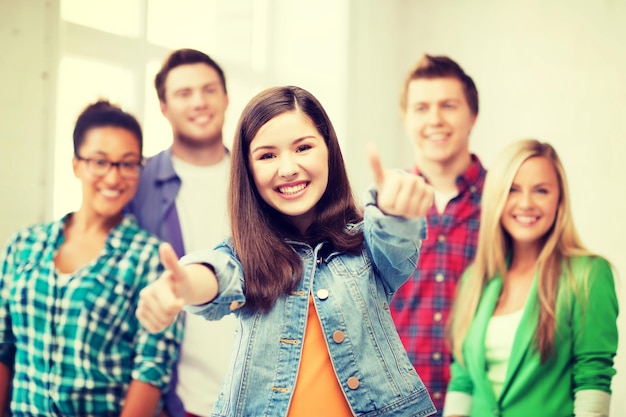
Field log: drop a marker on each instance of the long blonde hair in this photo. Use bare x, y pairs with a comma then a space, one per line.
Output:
561, 243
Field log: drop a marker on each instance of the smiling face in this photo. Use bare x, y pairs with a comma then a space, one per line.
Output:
195, 104
107, 195
289, 163
532, 204
438, 120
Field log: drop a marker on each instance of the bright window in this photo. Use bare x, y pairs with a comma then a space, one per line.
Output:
119, 17
156, 129
76, 89
113, 49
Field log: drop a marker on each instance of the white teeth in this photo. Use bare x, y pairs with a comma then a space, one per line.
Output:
525, 219
110, 193
201, 119
437, 136
292, 190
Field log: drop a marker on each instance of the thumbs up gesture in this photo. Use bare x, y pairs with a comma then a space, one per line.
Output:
400, 193
161, 301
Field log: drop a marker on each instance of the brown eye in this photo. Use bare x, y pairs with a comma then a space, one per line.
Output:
100, 163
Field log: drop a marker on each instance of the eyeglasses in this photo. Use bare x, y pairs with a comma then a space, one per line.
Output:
100, 167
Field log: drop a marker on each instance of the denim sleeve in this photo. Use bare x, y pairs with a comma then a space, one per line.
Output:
229, 274
392, 242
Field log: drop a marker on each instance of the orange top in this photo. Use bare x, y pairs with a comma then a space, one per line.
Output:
317, 391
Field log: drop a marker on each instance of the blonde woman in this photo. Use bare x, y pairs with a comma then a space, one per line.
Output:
533, 328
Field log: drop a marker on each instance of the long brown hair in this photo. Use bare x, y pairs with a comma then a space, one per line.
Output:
271, 267
494, 244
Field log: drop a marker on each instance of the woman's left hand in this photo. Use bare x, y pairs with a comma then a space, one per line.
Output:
400, 193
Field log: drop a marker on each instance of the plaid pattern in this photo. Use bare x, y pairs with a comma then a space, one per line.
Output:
76, 346
420, 308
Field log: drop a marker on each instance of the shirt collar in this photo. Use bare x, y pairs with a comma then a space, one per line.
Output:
470, 179
165, 167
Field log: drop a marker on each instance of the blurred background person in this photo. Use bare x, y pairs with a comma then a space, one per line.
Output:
533, 328
69, 290
182, 199
439, 105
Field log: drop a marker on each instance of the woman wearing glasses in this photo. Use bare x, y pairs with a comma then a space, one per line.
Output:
69, 340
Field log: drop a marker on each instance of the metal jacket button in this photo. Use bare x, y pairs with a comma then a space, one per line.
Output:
322, 294
353, 382
338, 336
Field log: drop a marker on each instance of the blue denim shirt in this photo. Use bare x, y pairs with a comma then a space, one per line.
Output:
352, 294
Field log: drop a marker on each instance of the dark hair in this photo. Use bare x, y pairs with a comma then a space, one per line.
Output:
184, 57
271, 267
102, 114
429, 67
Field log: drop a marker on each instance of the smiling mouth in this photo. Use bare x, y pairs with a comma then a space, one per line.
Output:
437, 136
526, 219
293, 189
202, 119
110, 193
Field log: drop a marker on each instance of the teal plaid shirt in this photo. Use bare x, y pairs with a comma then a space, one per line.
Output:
76, 346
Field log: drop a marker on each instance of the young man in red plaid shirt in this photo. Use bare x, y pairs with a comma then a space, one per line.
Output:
439, 105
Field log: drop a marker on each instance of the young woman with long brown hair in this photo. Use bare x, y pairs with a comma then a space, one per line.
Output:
307, 273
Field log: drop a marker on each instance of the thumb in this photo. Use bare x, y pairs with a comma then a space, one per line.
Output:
169, 259
374, 161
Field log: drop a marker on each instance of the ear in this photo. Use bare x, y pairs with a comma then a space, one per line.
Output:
75, 166
474, 117
163, 107
403, 117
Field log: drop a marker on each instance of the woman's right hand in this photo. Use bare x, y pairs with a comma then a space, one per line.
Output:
162, 300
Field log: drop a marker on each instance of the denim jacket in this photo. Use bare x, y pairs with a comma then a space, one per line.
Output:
352, 294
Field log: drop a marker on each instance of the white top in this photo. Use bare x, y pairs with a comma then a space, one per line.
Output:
206, 347
63, 277
498, 346
442, 199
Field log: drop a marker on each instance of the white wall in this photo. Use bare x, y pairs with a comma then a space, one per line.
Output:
307, 47
26, 86
374, 78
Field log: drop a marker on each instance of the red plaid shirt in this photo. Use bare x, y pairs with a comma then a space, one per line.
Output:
420, 307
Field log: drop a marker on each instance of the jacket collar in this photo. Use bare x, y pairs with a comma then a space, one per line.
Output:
523, 340
165, 167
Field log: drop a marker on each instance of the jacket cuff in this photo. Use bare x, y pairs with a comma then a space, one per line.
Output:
592, 403
393, 225
230, 291
457, 404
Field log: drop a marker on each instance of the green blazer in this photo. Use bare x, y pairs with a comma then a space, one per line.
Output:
585, 343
